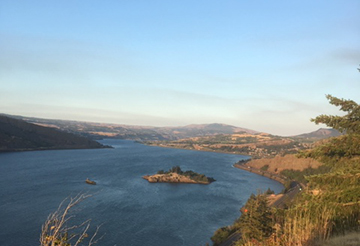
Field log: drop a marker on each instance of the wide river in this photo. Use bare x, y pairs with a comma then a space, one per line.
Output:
132, 211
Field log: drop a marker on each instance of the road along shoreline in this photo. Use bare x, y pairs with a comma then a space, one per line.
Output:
242, 165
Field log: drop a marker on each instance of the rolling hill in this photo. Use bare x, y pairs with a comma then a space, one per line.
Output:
18, 135
319, 134
138, 133
257, 145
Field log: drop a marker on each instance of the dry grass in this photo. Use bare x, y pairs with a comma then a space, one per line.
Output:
58, 231
300, 228
280, 163
351, 239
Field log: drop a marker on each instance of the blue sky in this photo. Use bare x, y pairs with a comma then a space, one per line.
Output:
263, 65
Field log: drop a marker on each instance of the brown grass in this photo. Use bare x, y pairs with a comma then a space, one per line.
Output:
300, 229
351, 239
280, 163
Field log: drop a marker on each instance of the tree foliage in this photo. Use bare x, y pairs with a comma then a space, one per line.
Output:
330, 203
333, 150
256, 220
190, 174
221, 235
349, 123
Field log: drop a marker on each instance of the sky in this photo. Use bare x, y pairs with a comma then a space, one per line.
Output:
263, 65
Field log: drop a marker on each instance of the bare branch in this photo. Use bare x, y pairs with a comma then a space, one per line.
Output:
57, 231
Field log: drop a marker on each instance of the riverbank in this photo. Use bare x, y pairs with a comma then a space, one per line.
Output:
194, 149
292, 187
242, 165
273, 200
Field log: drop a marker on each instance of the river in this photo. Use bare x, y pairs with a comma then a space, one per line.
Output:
131, 211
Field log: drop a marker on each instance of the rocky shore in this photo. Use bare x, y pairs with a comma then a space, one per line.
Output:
176, 175
172, 178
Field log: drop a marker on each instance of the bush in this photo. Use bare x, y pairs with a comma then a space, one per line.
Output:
264, 168
221, 235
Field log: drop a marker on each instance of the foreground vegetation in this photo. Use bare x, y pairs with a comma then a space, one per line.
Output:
60, 230
328, 209
330, 205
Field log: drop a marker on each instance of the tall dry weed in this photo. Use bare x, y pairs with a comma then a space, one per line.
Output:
300, 227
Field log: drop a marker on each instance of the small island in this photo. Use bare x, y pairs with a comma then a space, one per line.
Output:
91, 182
176, 175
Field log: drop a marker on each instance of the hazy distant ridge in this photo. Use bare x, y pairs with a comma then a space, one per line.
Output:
150, 133
141, 133
320, 133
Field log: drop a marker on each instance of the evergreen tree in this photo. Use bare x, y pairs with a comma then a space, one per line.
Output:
349, 123
176, 169
345, 146
256, 219
220, 235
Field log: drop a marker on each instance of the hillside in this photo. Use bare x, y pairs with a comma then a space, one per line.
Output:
18, 135
151, 133
205, 137
319, 134
138, 133
258, 145
279, 163
323, 204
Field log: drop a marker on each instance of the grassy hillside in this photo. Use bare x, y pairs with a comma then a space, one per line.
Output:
287, 162
18, 135
327, 208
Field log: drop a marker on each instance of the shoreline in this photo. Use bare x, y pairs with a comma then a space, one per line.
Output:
277, 201
53, 148
240, 164
269, 175
202, 150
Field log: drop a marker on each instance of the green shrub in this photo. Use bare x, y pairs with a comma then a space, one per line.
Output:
221, 235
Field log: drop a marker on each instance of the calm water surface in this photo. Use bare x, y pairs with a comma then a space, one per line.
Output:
132, 211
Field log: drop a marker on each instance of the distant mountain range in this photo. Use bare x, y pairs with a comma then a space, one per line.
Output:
18, 135
40, 133
139, 133
320, 134
149, 133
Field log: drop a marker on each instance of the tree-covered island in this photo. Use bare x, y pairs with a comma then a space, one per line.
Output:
176, 175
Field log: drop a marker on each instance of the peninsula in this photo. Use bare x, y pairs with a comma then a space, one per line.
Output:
176, 175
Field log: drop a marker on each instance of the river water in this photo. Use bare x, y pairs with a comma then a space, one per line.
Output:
132, 211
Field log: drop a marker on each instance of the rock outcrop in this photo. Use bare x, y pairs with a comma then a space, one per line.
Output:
172, 178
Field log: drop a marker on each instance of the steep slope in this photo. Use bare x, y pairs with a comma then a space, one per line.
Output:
18, 135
